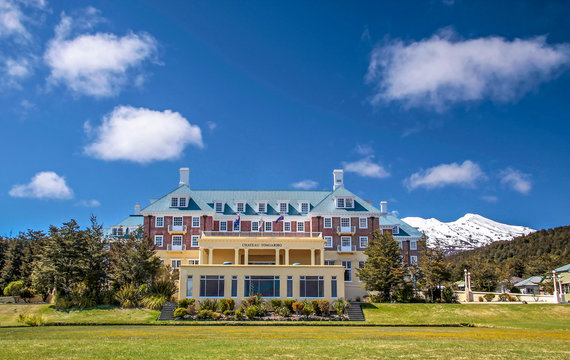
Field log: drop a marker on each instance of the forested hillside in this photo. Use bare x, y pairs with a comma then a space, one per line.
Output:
534, 254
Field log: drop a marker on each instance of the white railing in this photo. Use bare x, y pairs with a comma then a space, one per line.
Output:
346, 229
177, 228
262, 234
176, 247
347, 248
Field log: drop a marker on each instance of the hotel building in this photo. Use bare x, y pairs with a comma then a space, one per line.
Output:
283, 243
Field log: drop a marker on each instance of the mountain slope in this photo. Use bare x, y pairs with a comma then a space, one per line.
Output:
468, 232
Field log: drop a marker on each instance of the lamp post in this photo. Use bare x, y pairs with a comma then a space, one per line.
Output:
556, 299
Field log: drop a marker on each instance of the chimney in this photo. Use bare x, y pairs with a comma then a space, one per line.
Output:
338, 181
383, 207
137, 209
184, 177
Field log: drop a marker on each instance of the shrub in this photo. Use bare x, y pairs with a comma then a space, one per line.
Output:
298, 307
512, 298
283, 311
340, 305
108, 297
26, 294
289, 303
227, 313
481, 299
251, 312
226, 304
180, 312
239, 314
192, 309
404, 294
205, 314
275, 303
184, 303
308, 309
154, 302
261, 310
253, 300
128, 296
13, 289
82, 297
324, 307
62, 302
144, 290
504, 297
31, 319
209, 304
216, 315
315, 305
449, 295
163, 285
489, 297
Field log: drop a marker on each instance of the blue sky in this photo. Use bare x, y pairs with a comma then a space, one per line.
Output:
439, 107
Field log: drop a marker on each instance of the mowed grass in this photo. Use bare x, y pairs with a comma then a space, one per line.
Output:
280, 342
99, 315
529, 316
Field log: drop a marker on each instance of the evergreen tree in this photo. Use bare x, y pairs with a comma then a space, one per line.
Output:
434, 269
383, 269
13, 261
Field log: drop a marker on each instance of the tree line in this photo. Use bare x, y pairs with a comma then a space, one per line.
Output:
81, 268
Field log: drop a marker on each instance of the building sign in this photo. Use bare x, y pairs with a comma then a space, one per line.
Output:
264, 245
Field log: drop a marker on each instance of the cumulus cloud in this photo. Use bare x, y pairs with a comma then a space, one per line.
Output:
12, 71
367, 168
305, 184
44, 185
516, 180
142, 135
88, 203
443, 70
98, 64
442, 175
13, 19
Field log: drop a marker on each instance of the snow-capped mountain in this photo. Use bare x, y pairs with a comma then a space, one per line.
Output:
468, 232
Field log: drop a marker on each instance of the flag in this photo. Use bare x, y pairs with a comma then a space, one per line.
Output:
236, 222
281, 217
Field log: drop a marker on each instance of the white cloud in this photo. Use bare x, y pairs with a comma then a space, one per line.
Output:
44, 185
396, 213
88, 203
443, 70
142, 135
490, 198
95, 64
442, 175
365, 167
364, 150
305, 184
13, 71
516, 180
211, 125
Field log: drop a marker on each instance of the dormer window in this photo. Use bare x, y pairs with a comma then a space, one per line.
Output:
178, 202
240, 207
182, 202
396, 230
345, 203
348, 203
174, 202
262, 207
219, 206
340, 203
283, 207
304, 207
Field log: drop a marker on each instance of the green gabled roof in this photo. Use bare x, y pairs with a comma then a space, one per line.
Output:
132, 220
563, 268
531, 281
327, 205
163, 204
405, 229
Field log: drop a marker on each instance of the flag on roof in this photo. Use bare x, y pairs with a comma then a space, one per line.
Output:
236, 222
281, 217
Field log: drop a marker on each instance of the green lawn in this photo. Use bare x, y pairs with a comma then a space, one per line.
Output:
529, 316
279, 342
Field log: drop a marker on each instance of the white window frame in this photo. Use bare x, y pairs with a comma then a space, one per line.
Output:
256, 224
193, 262
266, 228
361, 225
177, 236
259, 205
285, 209
178, 217
346, 205
325, 223
413, 260
396, 230
238, 205
345, 219
415, 245
340, 203
220, 204
360, 241
194, 223
347, 266
287, 226
328, 241
300, 226
342, 238
161, 221
175, 263
180, 202
195, 242
173, 201
304, 204
159, 237
225, 227
236, 228
330, 262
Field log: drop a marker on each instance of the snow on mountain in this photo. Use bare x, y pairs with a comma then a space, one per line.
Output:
468, 232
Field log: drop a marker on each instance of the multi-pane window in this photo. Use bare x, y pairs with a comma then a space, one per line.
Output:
363, 241
312, 286
219, 206
255, 226
304, 207
345, 241
261, 207
177, 221
269, 226
287, 226
182, 202
328, 241
158, 240
413, 245
363, 223
223, 226
333, 287
176, 241
193, 262
347, 270
234, 286
211, 286
176, 264
174, 202
329, 262
289, 286
300, 226
267, 286
283, 207
195, 240
340, 203
195, 221
237, 225
189, 286
344, 222
328, 223
413, 260
119, 231
159, 221
348, 203
240, 207
396, 230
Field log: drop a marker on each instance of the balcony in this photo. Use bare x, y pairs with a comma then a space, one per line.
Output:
171, 247
177, 229
250, 234
346, 248
346, 230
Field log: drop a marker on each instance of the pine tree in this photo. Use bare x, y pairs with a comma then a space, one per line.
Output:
383, 269
13, 260
434, 270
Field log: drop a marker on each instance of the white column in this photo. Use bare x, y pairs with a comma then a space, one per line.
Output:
210, 256
276, 256
556, 299
246, 257
286, 256
312, 256
236, 256
322, 256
